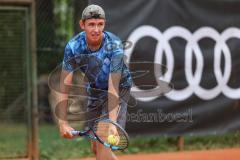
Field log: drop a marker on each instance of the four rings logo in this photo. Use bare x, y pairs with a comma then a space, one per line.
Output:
192, 50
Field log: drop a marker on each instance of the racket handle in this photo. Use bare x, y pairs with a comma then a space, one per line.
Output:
75, 133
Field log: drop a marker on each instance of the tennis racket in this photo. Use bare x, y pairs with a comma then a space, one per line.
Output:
100, 132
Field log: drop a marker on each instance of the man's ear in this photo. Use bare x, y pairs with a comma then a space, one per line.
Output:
81, 24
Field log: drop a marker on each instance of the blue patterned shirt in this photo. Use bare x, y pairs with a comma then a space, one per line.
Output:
99, 64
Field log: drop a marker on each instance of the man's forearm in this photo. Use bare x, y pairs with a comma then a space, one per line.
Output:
62, 108
113, 95
113, 105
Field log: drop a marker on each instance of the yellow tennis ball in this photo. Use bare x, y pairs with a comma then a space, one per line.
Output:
113, 140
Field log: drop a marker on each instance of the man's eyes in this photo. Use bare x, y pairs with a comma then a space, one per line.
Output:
93, 25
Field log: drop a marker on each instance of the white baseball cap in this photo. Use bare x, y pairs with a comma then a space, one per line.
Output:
93, 11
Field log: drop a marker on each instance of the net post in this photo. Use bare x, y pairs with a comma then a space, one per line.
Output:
180, 143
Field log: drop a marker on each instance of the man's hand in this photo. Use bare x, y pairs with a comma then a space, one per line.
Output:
65, 130
112, 130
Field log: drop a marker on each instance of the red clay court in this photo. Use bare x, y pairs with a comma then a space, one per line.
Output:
218, 154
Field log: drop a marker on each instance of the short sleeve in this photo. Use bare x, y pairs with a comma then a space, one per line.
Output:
117, 63
68, 59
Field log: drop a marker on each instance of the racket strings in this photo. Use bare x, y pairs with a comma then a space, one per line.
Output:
102, 131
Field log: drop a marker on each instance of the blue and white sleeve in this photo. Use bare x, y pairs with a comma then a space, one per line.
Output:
68, 59
117, 63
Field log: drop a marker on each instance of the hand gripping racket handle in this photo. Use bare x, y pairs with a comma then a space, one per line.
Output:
79, 133
76, 133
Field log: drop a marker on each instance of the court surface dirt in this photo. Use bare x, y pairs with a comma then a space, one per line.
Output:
217, 154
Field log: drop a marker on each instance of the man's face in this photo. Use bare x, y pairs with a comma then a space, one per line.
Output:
94, 29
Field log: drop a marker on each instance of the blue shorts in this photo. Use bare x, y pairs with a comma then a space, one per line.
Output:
97, 106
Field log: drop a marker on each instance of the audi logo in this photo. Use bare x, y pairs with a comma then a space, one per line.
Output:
192, 50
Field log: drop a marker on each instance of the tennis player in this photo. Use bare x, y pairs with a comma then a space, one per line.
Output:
99, 55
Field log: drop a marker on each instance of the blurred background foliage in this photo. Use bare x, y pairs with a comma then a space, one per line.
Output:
57, 22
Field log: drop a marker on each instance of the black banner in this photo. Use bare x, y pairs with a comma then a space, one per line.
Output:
198, 42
